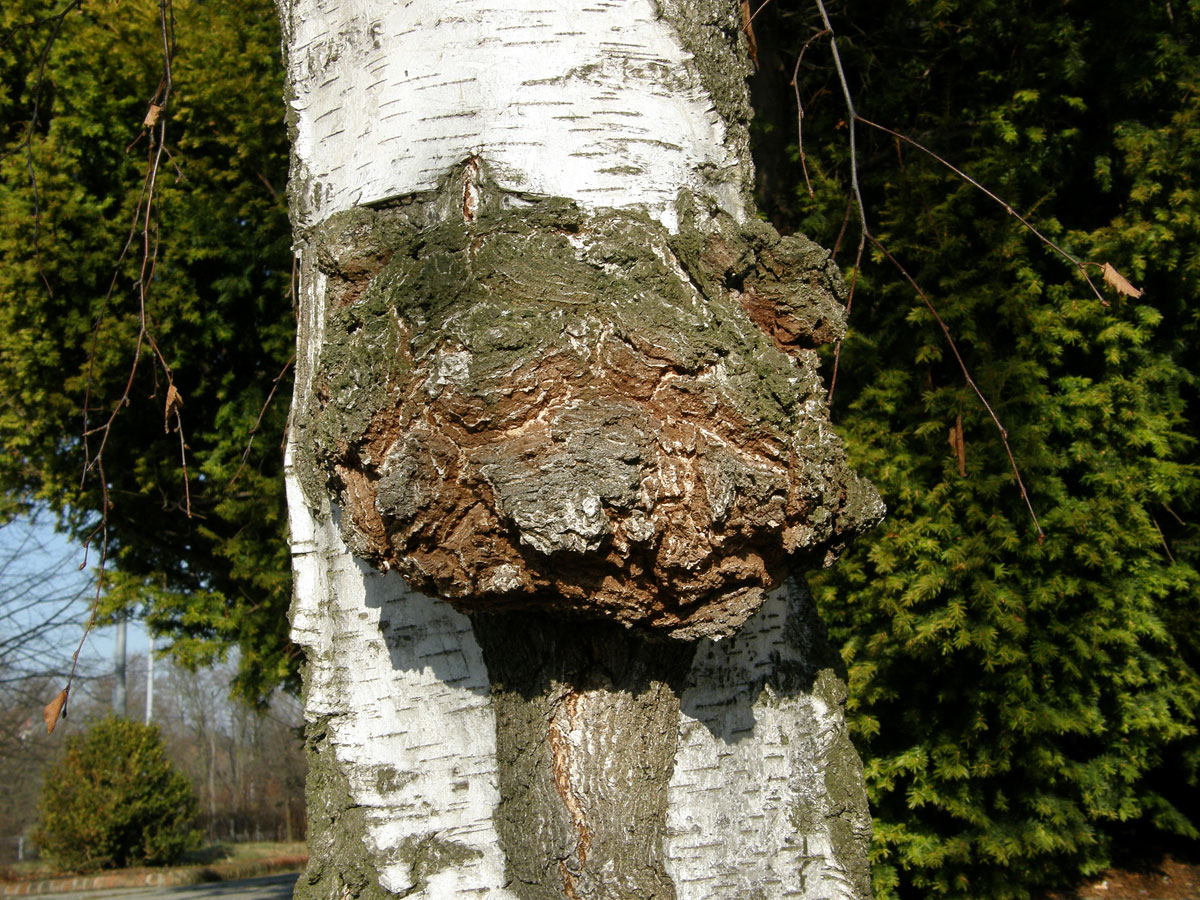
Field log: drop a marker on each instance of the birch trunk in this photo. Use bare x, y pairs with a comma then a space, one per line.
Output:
558, 442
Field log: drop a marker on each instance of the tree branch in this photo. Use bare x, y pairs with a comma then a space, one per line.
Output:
866, 235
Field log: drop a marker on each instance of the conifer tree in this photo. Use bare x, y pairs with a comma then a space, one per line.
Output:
1020, 702
76, 85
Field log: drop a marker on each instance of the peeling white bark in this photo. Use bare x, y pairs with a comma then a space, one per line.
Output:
751, 759
401, 683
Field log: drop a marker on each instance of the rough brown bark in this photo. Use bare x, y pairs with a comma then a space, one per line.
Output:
587, 721
534, 406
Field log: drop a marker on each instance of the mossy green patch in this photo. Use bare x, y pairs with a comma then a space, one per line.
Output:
340, 863
518, 284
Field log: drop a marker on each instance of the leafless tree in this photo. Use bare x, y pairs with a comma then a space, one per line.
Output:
43, 597
247, 765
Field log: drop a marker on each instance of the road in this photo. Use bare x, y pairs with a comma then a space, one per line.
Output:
270, 887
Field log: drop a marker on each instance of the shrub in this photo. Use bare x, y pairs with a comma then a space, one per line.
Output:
114, 801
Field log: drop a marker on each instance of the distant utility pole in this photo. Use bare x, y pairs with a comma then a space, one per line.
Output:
150, 682
120, 700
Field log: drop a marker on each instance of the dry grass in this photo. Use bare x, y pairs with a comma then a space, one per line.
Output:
216, 862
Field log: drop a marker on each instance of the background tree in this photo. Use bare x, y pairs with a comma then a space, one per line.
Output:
75, 87
246, 764
114, 801
41, 598
41, 595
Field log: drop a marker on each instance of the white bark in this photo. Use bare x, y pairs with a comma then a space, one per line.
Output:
402, 685
590, 99
754, 803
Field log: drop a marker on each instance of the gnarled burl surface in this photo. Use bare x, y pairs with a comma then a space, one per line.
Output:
522, 404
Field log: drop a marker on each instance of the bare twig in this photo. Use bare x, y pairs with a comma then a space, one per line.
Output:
967, 376
866, 235
1073, 260
795, 83
837, 348
262, 412
1174, 515
270, 187
91, 620
1163, 538
837, 61
837, 245
154, 125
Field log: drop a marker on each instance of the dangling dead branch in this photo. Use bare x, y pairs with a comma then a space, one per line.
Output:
865, 235
1080, 265
153, 127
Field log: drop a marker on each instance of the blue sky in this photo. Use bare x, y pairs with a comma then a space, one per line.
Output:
45, 601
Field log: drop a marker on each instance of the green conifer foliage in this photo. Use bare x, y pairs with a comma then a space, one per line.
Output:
114, 800
218, 308
1020, 704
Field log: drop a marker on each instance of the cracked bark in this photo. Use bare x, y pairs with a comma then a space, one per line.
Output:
587, 721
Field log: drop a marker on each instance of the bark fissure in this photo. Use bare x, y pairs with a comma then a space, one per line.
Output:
586, 729
563, 722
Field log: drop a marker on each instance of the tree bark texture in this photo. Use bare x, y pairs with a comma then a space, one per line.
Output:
558, 444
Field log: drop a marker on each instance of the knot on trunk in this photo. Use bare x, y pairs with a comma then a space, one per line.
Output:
540, 407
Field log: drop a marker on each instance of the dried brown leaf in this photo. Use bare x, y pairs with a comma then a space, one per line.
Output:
748, 27
959, 445
54, 709
152, 115
174, 401
1119, 283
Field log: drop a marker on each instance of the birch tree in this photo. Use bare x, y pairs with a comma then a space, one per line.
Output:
558, 450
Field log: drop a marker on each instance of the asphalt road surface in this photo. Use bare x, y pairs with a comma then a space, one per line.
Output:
270, 887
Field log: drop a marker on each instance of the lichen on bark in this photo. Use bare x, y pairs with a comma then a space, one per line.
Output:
523, 404
763, 731
719, 57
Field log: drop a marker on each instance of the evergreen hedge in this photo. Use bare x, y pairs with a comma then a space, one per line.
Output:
1022, 705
